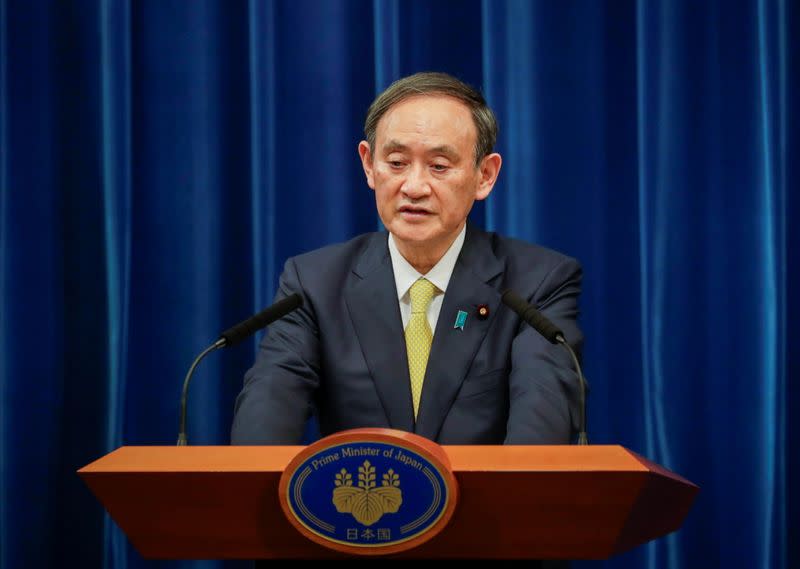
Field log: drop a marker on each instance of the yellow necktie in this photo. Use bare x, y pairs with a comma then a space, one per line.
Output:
419, 336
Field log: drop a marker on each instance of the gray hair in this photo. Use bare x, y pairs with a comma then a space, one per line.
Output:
431, 83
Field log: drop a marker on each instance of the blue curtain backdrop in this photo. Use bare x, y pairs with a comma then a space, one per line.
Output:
159, 160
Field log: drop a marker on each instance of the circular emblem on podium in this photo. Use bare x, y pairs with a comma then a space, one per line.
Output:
369, 491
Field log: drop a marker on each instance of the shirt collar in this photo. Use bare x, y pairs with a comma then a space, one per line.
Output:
405, 275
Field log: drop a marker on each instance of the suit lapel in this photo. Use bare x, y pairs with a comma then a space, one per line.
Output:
453, 349
373, 306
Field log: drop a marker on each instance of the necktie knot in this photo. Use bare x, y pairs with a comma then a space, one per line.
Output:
422, 292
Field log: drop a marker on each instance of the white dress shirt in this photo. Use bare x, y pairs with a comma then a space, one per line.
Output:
405, 275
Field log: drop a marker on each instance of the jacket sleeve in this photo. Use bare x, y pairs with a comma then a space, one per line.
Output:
276, 400
544, 388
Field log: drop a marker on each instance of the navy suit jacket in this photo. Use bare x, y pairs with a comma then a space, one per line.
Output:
342, 355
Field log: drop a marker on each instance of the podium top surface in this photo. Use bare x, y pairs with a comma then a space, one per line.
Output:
471, 458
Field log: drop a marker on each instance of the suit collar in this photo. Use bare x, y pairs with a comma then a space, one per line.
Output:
478, 255
374, 310
375, 256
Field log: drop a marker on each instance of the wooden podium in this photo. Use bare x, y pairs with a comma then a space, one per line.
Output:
515, 502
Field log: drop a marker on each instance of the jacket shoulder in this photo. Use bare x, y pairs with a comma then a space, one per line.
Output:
338, 251
337, 262
516, 251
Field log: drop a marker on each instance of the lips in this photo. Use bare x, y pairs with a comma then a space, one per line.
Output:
412, 210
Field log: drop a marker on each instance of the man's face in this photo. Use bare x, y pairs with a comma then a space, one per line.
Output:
423, 170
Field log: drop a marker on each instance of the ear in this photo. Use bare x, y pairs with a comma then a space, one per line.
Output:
366, 162
489, 170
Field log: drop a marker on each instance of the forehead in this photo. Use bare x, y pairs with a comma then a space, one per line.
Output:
428, 119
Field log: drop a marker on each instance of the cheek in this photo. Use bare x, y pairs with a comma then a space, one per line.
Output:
458, 200
383, 197
386, 184
381, 177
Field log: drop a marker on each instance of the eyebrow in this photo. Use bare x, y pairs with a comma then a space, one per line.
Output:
444, 149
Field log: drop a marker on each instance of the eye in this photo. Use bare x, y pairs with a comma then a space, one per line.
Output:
439, 167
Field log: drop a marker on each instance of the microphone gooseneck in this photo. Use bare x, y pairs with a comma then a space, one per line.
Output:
185, 393
554, 335
232, 336
582, 437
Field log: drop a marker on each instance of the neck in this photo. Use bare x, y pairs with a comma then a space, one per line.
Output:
424, 256
422, 260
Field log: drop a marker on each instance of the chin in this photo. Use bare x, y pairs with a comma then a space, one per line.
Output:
411, 233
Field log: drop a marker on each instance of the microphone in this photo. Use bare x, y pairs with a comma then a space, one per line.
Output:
554, 335
233, 336
237, 333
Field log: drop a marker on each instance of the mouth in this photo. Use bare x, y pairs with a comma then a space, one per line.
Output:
412, 213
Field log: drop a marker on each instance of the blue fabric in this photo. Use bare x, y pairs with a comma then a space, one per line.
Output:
160, 160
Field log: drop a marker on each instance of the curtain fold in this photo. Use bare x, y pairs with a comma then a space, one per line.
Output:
159, 162
115, 146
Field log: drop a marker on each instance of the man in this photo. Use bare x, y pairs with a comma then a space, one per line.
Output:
405, 329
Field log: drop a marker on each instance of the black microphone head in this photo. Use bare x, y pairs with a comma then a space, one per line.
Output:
532, 316
514, 301
264, 318
284, 306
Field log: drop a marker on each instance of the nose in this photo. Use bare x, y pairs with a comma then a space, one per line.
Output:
416, 185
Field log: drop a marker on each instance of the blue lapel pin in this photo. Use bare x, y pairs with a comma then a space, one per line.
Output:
461, 319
